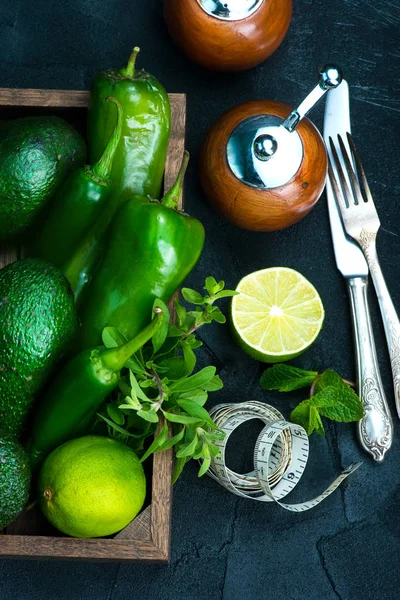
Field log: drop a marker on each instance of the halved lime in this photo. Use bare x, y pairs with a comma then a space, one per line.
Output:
277, 315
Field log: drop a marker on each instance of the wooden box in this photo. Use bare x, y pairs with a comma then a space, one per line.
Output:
147, 538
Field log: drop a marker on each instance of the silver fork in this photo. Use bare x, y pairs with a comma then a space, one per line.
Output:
362, 223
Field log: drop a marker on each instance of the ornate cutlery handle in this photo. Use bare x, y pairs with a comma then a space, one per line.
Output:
367, 241
375, 430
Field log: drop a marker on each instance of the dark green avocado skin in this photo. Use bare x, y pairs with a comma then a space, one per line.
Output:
36, 154
37, 324
15, 479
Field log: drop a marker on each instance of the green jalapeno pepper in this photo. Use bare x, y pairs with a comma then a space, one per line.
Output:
139, 162
71, 402
77, 204
151, 248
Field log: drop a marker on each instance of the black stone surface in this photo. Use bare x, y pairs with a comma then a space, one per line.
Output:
223, 547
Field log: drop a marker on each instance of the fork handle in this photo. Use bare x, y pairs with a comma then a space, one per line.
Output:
391, 323
375, 430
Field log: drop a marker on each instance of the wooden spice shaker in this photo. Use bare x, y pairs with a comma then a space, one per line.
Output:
228, 35
263, 165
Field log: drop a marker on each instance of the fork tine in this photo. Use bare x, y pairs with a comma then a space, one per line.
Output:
355, 186
337, 192
346, 192
360, 168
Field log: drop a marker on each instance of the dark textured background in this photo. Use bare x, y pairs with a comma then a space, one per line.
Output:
224, 547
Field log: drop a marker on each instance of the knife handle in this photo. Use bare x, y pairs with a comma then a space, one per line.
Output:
375, 430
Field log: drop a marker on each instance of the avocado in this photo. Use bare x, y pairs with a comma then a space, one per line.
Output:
36, 154
15, 479
37, 324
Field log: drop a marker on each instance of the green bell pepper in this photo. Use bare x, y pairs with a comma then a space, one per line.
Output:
151, 248
139, 162
77, 204
72, 400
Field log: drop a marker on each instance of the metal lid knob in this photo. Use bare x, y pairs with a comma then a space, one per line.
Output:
230, 10
265, 146
265, 151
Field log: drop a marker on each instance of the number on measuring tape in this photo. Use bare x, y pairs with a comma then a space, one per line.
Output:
280, 456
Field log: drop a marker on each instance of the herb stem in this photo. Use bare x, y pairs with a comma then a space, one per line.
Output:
161, 391
197, 326
313, 386
352, 384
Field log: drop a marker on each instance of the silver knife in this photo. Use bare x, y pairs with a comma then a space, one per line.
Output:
375, 430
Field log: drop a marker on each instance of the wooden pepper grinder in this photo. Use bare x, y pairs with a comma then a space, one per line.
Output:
262, 165
228, 35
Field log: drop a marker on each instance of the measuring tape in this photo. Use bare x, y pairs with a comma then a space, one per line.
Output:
280, 456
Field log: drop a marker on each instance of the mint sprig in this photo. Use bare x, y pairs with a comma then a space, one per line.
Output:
330, 396
160, 382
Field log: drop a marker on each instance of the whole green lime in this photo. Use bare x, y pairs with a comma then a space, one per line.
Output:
92, 486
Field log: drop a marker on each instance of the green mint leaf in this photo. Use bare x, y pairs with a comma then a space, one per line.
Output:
301, 416
189, 358
308, 417
192, 296
338, 403
136, 390
112, 338
133, 403
211, 285
158, 441
215, 435
124, 386
134, 364
193, 342
214, 384
218, 316
179, 465
195, 410
198, 395
286, 378
172, 441
188, 449
189, 323
206, 463
181, 418
115, 414
200, 379
319, 428
174, 331
147, 383
226, 294
167, 348
148, 415
161, 334
213, 449
180, 313
116, 427
329, 378
176, 367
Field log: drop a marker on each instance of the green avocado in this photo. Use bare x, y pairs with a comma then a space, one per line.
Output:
37, 324
15, 479
36, 154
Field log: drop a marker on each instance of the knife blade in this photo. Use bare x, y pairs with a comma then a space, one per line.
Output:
375, 429
349, 257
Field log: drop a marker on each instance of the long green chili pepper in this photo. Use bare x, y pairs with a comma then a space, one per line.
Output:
78, 203
151, 248
70, 403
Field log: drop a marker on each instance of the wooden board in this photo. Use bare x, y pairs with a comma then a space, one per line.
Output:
147, 538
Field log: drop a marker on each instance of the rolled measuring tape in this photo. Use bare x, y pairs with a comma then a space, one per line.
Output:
280, 456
